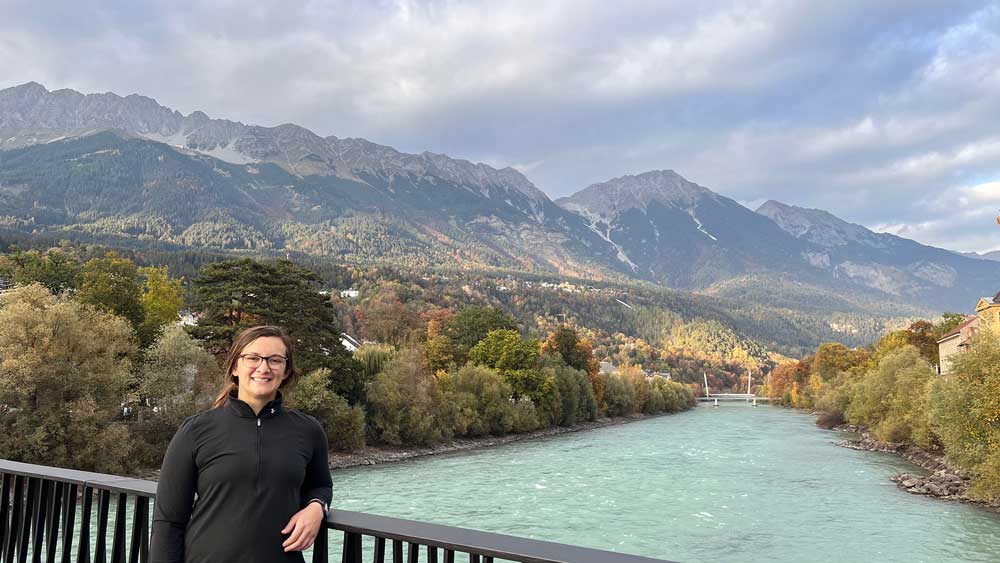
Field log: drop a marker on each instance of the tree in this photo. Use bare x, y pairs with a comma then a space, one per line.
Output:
890, 397
577, 353
54, 269
479, 400
472, 324
387, 319
236, 294
833, 357
162, 299
965, 412
112, 284
344, 424
177, 379
948, 322
406, 404
63, 375
503, 350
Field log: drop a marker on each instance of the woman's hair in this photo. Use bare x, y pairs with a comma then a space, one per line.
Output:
243, 339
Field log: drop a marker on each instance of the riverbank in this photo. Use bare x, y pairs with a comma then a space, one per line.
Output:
372, 455
943, 481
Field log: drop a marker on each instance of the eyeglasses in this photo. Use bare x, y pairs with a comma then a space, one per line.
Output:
273, 362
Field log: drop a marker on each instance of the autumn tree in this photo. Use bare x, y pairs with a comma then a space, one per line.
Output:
162, 299
112, 284
63, 371
577, 353
965, 412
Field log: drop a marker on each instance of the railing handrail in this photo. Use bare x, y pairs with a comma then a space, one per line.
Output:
500, 546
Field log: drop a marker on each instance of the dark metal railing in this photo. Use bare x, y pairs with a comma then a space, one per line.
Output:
47, 511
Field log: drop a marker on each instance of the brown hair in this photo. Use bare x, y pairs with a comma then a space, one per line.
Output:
243, 340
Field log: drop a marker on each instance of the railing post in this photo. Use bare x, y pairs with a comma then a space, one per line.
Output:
25, 531
321, 545
118, 540
69, 518
52, 522
103, 505
38, 526
352, 547
83, 550
139, 542
397, 551
4, 513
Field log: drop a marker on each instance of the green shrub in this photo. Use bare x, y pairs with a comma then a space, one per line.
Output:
406, 404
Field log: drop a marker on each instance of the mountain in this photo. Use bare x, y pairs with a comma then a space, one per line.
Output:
126, 170
226, 184
886, 262
993, 255
682, 234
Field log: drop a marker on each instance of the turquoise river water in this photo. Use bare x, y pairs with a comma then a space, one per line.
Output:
725, 484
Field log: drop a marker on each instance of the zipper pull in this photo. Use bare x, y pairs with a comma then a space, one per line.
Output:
258, 423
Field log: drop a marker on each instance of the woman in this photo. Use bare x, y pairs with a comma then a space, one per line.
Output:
259, 470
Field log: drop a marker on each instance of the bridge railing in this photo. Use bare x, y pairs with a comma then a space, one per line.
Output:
48, 514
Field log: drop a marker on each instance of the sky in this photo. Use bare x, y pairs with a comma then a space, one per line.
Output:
884, 113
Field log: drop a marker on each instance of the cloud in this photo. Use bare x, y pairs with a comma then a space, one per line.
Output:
873, 111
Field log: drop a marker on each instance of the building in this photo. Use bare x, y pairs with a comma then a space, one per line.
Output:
350, 343
987, 316
954, 341
988, 311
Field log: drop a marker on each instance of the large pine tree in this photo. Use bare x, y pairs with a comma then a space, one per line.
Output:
236, 294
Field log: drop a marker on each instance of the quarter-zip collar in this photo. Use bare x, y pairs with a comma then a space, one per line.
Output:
243, 410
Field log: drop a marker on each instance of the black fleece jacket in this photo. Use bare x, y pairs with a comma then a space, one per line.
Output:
250, 472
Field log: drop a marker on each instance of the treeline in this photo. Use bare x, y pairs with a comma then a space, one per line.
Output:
894, 390
96, 374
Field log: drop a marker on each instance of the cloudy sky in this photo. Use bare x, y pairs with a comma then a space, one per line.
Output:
885, 113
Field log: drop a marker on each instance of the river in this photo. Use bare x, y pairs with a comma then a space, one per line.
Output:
733, 483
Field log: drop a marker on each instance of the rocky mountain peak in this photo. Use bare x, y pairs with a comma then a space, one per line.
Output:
30, 114
817, 226
608, 199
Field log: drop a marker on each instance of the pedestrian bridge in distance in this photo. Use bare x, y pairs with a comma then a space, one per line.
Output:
39, 515
745, 397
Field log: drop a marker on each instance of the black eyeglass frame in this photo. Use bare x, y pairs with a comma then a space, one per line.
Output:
284, 360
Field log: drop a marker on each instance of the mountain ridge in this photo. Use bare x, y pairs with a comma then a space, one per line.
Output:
287, 187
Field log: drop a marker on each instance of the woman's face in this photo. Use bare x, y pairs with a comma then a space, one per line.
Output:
261, 368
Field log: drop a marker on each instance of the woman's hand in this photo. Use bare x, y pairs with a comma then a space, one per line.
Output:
303, 527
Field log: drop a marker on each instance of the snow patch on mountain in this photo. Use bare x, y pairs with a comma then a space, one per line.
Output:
700, 226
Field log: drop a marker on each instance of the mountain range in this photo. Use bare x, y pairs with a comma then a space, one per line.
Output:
130, 171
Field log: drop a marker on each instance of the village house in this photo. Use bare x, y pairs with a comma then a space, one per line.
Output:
956, 340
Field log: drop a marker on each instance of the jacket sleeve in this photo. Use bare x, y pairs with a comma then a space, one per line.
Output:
175, 493
318, 484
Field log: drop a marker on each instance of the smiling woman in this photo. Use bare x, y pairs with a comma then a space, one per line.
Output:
259, 470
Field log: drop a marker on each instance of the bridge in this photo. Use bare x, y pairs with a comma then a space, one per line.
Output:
39, 517
747, 397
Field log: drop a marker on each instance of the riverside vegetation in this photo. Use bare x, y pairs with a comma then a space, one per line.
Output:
893, 390
96, 375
